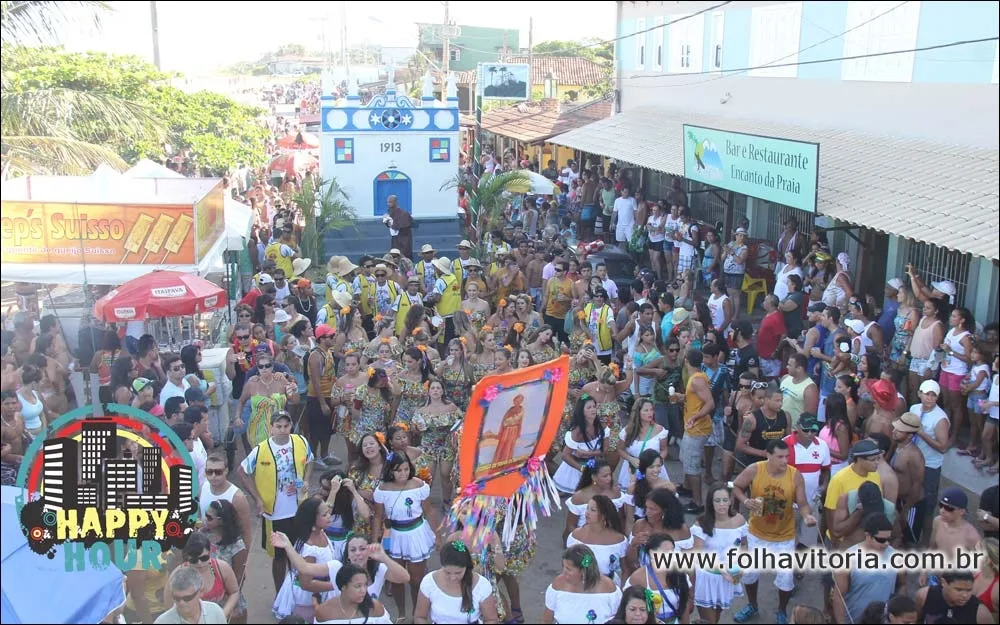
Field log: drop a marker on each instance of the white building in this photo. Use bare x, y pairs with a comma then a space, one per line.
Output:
907, 135
392, 146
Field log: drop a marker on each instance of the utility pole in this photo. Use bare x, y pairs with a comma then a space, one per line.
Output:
446, 40
156, 33
531, 41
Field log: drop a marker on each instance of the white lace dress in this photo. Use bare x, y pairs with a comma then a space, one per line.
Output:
712, 590
581, 510
566, 477
634, 449
411, 538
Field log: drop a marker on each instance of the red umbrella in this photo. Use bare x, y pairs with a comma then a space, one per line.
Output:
160, 294
300, 141
292, 163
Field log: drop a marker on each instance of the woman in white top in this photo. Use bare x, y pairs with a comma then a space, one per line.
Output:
641, 433
720, 306
347, 507
596, 480
455, 593
974, 387
402, 501
992, 408
353, 604
650, 475
310, 541
672, 225
718, 529
957, 345
734, 266
664, 515
587, 438
655, 229
604, 533
839, 290
670, 589
580, 594
791, 267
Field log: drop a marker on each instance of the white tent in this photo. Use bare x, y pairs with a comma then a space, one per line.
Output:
239, 218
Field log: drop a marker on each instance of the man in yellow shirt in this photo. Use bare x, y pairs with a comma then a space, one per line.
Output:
863, 468
698, 407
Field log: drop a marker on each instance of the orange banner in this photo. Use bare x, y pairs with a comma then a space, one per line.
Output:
210, 220
106, 234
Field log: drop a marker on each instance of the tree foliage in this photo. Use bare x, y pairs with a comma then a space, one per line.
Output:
326, 206
218, 131
487, 199
594, 49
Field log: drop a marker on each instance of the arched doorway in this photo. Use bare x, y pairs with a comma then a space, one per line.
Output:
393, 182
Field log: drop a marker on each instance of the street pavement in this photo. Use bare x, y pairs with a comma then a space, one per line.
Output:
259, 587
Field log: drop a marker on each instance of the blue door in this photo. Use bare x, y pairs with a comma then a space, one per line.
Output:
393, 182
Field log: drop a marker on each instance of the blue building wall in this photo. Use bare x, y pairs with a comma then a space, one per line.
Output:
823, 24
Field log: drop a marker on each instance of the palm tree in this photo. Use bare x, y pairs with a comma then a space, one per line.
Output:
326, 206
43, 130
488, 199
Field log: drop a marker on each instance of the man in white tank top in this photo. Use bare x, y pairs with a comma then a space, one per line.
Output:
217, 486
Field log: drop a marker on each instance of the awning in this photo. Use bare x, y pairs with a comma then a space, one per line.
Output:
945, 195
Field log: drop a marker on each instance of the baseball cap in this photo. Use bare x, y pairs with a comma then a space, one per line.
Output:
955, 497
265, 278
895, 283
817, 307
870, 498
908, 422
140, 384
741, 231
194, 394
808, 421
157, 411
930, 386
947, 287
855, 324
324, 330
281, 414
864, 449
884, 394
304, 283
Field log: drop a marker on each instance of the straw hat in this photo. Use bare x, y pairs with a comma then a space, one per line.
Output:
342, 299
333, 264
464, 243
443, 265
300, 265
427, 248
680, 316
389, 260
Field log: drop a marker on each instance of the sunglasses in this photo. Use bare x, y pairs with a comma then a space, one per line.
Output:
265, 365
243, 337
880, 540
215, 471
947, 508
211, 517
380, 275
758, 385
814, 430
746, 387
369, 266
186, 598
201, 558
674, 349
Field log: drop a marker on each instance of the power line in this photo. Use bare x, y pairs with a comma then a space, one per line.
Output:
806, 49
814, 61
604, 42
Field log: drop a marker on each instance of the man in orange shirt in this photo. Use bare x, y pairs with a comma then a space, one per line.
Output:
698, 407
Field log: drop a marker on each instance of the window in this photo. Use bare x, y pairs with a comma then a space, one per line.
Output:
454, 54
343, 151
658, 33
896, 29
640, 43
774, 39
718, 24
686, 35
440, 150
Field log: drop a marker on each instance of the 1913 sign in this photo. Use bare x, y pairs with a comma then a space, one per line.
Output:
391, 147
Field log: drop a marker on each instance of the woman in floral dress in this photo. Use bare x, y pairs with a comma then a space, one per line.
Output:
412, 380
582, 371
475, 307
399, 442
524, 312
343, 396
544, 348
385, 332
435, 422
457, 375
483, 361
351, 336
367, 475
501, 321
374, 402
605, 391
464, 329
580, 334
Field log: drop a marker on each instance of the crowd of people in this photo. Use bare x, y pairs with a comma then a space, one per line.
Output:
824, 423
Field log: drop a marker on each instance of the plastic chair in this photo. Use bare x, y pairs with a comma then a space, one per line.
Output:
753, 288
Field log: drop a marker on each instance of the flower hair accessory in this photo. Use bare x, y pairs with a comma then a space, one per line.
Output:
422, 348
371, 371
349, 350
502, 303
386, 341
639, 475
467, 311
415, 332
591, 464
519, 327
380, 437
401, 426
379, 317
615, 369
581, 315
509, 348
587, 342
459, 546
585, 397
586, 561
487, 328
345, 310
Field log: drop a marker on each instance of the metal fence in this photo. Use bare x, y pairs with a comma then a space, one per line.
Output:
937, 263
777, 215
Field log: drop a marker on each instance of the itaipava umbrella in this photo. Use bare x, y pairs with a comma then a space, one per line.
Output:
160, 294
534, 183
293, 163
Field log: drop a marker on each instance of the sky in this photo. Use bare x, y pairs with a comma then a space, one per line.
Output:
196, 37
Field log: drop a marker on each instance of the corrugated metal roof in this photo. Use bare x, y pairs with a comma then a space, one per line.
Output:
530, 122
946, 195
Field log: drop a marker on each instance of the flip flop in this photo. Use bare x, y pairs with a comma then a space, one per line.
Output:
964, 452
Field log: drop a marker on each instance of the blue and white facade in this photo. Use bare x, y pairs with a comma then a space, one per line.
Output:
948, 95
393, 146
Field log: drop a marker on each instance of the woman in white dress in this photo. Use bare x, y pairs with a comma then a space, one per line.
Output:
346, 505
587, 438
580, 594
649, 476
455, 593
671, 590
604, 533
309, 540
402, 502
353, 604
641, 433
791, 267
596, 480
718, 529
664, 515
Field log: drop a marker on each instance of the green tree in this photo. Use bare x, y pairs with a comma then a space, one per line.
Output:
60, 128
326, 206
219, 131
594, 49
487, 200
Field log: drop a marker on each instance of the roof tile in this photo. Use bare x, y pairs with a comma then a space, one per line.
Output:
569, 70
530, 122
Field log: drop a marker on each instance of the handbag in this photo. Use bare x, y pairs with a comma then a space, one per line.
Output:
639, 240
